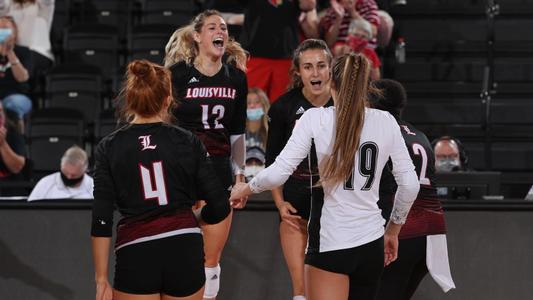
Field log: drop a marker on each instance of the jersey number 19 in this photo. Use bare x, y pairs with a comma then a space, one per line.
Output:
368, 153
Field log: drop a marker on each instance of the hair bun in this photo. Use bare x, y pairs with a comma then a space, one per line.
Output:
141, 69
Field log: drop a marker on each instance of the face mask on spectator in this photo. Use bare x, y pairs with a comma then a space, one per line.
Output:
254, 114
251, 171
447, 164
70, 182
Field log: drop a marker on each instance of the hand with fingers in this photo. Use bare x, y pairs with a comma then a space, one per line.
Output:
239, 203
239, 194
287, 213
337, 8
104, 291
391, 248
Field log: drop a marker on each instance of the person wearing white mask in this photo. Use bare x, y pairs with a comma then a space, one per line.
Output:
448, 155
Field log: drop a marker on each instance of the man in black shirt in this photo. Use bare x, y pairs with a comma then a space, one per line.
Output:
270, 34
12, 152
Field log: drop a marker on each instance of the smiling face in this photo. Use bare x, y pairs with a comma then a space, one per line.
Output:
314, 70
212, 37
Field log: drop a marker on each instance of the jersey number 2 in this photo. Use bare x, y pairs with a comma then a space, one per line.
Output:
419, 150
217, 110
368, 153
151, 178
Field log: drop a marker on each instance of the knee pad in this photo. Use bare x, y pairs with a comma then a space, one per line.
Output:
212, 282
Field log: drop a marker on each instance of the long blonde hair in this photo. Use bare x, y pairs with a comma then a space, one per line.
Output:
182, 47
263, 98
350, 81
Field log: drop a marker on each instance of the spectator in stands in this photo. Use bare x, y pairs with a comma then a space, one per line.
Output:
15, 61
309, 25
34, 20
70, 182
271, 34
336, 23
12, 150
256, 131
450, 155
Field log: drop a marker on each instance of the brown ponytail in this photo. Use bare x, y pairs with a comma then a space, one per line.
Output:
350, 81
145, 91
182, 47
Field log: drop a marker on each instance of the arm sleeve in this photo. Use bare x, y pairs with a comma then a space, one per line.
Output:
368, 9
209, 188
104, 194
46, 11
405, 176
276, 139
238, 121
39, 191
238, 153
295, 151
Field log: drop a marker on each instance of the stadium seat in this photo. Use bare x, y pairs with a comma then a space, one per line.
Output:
95, 44
174, 12
148, 41
50, 133
60, 21
439, 7
110, 12
105, 124
510, 38
433, 36
75, 86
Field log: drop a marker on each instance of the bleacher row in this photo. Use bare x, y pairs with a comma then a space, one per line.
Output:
447, 44
446, 60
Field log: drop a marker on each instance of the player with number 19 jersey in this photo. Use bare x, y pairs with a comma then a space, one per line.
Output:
212, 107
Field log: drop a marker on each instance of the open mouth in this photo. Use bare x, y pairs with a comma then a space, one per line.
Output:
218, 42
316, 83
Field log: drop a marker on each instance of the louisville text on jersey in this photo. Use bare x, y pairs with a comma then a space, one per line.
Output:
211, 92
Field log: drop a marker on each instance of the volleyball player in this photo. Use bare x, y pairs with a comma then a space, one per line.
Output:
153, 172
348, 245
425, 221
311, 73
208, 76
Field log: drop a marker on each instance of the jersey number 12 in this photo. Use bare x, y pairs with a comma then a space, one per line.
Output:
217, 110
151, 178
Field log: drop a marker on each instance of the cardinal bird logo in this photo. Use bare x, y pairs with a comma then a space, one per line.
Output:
145, 143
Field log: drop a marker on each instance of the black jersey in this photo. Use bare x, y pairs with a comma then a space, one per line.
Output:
283, 115
213, 107
150, 172
426, 215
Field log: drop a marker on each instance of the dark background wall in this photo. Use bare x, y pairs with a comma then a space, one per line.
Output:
45, 254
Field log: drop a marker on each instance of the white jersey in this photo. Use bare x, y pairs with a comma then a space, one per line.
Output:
348, 216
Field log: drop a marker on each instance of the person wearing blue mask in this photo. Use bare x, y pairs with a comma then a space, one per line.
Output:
256, 131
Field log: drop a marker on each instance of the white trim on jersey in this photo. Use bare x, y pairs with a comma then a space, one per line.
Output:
349, 216
160, 236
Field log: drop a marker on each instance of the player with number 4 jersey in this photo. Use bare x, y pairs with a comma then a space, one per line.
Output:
153, 172
210, 85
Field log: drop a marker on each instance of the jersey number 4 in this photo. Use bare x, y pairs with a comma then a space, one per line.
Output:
218, 111
153, 183
368, 153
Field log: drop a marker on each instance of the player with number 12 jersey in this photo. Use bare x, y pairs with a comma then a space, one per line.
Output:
212, 107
